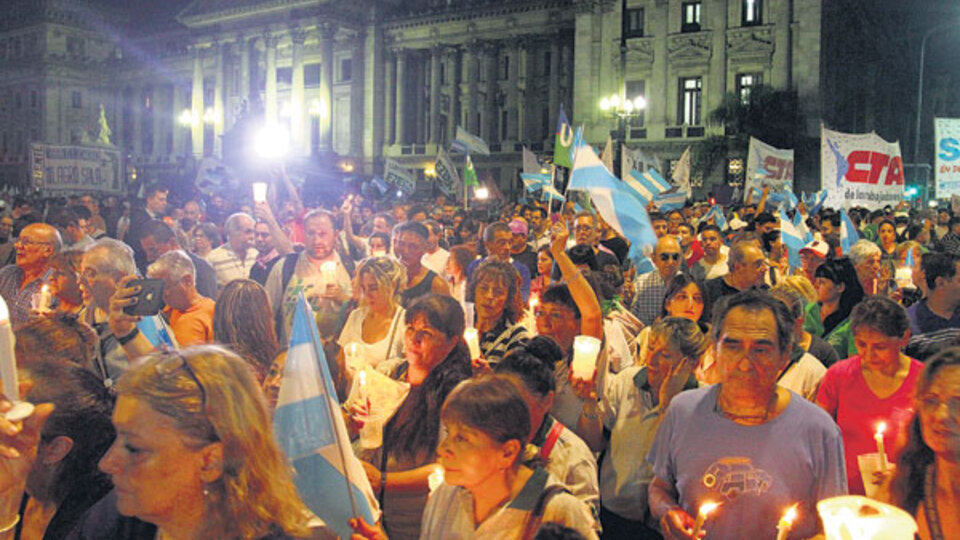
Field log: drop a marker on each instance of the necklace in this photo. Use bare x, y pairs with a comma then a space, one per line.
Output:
757, 418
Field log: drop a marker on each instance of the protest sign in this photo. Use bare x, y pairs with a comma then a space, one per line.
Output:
768, 166
947, 165
395, 174
448, 180
860, 170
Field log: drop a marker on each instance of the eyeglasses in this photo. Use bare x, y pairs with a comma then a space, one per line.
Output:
171, 364
26, 242
669, 257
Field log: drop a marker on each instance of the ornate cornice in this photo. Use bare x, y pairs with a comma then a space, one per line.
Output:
751, 42
481, 12
689, 47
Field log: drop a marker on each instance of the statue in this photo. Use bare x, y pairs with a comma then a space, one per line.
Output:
103, 133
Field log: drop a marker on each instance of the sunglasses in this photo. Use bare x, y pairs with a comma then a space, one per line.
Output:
669, 257
169, 366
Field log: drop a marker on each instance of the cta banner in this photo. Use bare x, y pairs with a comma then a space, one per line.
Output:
75, 168
768, 166
860, 170
947, 164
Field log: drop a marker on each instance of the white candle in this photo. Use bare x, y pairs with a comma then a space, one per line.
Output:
472, 338
8, 362
43, 303
534, 302
783, 527
585, 352
259, 192
435, 479
878, 436
362, 385
705, 510
351, 355
328, 271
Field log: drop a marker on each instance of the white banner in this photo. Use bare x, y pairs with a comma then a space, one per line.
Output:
398, 176
947, 164
768, 166
636, 160
860, 170
75, 168
448, 180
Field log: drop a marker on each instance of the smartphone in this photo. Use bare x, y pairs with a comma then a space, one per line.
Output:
149, 299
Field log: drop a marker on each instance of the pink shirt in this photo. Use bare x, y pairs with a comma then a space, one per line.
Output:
857, 410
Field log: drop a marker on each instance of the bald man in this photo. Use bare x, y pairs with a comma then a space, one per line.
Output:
20, 281
747, 268
652, 286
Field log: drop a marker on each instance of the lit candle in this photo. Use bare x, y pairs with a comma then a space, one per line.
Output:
362, 385
42, 302
259, 192
8, 368
878, 436
705, 510
472, 338
534, 302
328, 271
435, 479
783, 527
585, 352
351, 355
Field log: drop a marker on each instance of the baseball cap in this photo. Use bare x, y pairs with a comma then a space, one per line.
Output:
818, 248
518, 226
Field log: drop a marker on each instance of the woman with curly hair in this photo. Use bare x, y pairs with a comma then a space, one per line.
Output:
376, 325
495, 289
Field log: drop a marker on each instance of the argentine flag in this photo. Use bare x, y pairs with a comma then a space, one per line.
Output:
793, 239
719, 219
814, 201
675, 200
613, 200
310, 429
535, 181
848, 233
646, 185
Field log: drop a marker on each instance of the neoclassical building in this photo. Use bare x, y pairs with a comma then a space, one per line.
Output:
351, 82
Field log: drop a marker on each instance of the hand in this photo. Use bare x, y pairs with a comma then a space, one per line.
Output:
334, 292
678, 525
559, 235
263, 211
584, 389
480, 365
347, 205
120, 323
373, 475
674, 382
365, 531
880, 478
356, 415
18, 447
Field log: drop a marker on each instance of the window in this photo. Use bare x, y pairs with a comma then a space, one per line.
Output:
346, 70
76, 100
633, 23
752, 12
504, 124
634, 89
547, 58
690, 17
311, 75
746, 82
688, 106
505, 68
443, 73
285, 75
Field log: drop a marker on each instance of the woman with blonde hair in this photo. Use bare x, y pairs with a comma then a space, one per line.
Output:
376, 325
243, 321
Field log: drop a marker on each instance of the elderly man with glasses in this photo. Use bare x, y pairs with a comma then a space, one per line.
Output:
651, 287
20, 281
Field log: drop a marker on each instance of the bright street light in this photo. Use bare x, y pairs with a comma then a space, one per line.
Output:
272, 142
623, 108
481, 193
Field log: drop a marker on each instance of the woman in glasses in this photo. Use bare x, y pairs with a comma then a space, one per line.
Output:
927, 474
194, 457
495, 290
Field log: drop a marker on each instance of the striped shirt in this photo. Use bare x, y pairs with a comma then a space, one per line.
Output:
502, 340
228, 266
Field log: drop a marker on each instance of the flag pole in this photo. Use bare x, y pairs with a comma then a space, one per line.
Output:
466, 188
317, 346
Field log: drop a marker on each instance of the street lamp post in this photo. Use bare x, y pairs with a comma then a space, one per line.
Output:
923, 50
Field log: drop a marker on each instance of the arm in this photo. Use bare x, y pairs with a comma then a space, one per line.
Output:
591, 316
18, 452
123, 325
763, 200
674, 521
347, 209
439, 286
411, 481
277, 237
291, 191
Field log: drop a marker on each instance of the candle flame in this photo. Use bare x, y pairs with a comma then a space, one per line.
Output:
790, 515
328, 266
362, 378
707, 508
881, 427
534, 302
45, 288
435, 478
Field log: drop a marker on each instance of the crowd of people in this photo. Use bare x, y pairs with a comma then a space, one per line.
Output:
724, 374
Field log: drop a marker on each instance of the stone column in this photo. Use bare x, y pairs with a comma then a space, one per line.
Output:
137, 102
244, 46
470, 78
358, 55
218, 101
434, 130
196, 104
270, 88
399, 138
298, 111
554, 84
156, 119
453, 115
513, 91
491, 57
178, 128
527, 76
390, 96
327, 33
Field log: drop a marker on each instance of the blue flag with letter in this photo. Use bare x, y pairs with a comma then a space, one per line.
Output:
309, 427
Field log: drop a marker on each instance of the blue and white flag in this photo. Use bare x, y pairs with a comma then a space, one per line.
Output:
551, 194
578, 143
646, 186
814, 201
790, 201
618, 206
848, 233
672, 200
719, 219
793, 239
801, 226
469, 143
309, 427
536, 181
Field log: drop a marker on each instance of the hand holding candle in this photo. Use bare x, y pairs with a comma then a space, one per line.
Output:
41, 300
259, 192
435, 479
783, 527
8, 368
585, 352
706, 509
472, 338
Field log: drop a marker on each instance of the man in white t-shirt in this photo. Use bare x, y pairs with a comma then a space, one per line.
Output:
714, 261
435, 257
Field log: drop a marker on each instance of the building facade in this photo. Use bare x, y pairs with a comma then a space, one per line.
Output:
354, 82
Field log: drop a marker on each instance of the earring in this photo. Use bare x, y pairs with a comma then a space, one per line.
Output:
206, 491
